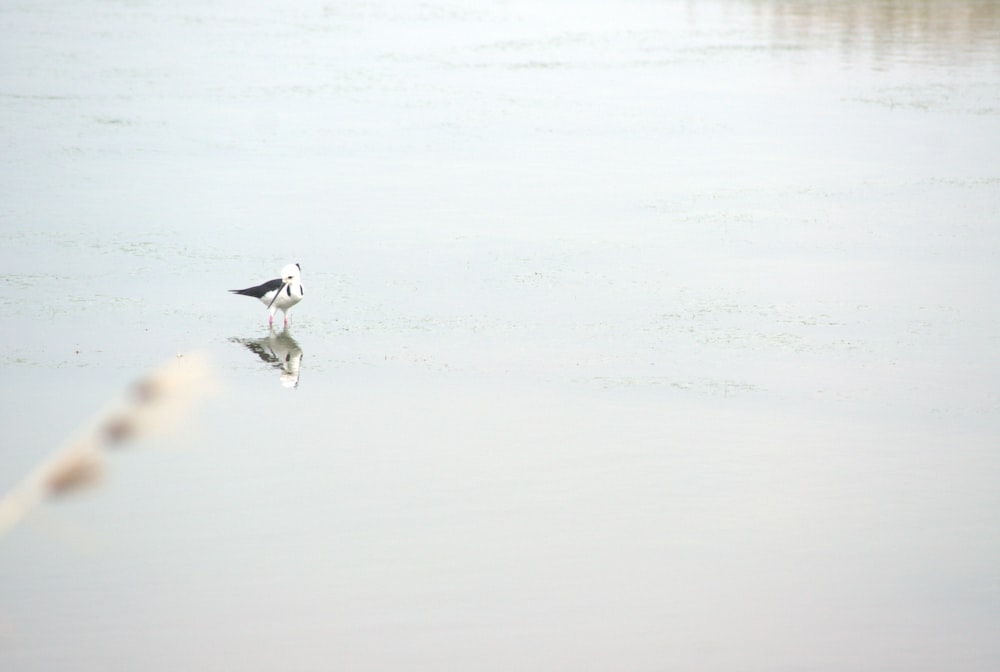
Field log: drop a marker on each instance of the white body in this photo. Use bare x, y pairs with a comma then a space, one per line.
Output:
284, 302
288, 295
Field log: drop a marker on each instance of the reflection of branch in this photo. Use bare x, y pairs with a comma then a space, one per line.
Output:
155, 402
889, 24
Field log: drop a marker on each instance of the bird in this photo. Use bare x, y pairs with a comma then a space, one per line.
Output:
278, 294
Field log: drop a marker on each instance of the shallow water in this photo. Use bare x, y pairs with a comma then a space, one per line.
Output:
651, 336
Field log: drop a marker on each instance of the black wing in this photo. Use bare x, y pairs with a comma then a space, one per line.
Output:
260, 290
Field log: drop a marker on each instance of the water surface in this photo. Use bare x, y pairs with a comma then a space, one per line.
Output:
645, 336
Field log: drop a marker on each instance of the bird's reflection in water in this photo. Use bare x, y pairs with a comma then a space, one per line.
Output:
279, 350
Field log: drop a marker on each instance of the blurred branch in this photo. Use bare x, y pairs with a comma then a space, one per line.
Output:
156, 402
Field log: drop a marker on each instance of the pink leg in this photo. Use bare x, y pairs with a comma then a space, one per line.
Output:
270, 321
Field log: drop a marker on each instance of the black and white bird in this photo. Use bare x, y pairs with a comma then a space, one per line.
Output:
278, 294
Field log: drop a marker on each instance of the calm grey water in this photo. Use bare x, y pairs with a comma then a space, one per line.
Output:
637, 335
